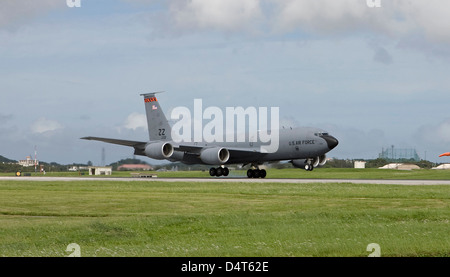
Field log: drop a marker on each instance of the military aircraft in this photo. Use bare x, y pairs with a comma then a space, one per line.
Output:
304, 147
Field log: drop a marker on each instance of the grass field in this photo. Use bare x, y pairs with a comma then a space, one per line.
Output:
222, 219
320, 173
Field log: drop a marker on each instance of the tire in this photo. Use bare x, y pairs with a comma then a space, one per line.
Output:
256, 173
212, 172
226, 171
219, 171
263, 173
250, 173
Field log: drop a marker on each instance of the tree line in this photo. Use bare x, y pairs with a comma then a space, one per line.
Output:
7, 165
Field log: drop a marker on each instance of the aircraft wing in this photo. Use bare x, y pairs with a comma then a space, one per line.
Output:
197, 149
235, 152
139, 146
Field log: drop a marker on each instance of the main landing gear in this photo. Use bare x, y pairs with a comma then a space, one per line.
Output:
220, 171
256, 173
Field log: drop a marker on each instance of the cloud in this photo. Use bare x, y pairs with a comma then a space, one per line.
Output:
230, 15
135, 121
43, 125
395, 18
429, 17
323, 16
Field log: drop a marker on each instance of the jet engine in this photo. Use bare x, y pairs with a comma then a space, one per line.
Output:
299, 163
159, 150
322, 160
215, 156
310, 164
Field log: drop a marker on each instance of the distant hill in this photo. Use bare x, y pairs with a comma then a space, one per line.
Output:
6, 160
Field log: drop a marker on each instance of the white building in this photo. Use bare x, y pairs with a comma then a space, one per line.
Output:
360, 164
100, 170
28, 162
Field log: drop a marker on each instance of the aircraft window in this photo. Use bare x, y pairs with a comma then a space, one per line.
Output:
321, 134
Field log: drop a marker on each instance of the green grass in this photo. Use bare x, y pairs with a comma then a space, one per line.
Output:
222, 219
319, 173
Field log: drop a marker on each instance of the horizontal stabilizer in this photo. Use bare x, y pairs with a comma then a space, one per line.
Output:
139, 146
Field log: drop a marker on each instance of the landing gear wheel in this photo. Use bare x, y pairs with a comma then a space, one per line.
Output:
219, 171
226, 171
212, 172
263, 173
250, 173
256, 173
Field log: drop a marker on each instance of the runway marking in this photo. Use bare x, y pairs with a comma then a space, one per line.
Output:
233, 180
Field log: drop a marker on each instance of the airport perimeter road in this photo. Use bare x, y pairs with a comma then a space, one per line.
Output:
231, 179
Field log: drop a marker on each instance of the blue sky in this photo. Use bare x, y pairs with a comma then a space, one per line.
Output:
373, 77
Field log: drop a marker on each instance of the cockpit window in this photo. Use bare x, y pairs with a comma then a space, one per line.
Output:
321, 134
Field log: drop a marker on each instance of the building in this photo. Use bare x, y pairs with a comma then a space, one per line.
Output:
135, 167
100, 170
360, 164
28, 162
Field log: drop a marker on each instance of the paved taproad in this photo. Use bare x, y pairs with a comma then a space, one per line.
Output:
232, 179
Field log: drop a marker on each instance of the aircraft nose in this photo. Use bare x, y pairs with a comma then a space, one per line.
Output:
331, 141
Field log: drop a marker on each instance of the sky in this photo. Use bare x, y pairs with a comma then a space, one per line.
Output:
371, 76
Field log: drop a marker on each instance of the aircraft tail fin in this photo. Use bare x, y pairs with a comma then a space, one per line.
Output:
158, 126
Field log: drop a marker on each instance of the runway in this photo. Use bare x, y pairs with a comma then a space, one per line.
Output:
230, 180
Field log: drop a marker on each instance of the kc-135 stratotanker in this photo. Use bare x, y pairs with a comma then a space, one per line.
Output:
304, 147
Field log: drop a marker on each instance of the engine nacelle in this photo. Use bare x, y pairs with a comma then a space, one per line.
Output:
299, 163
315, 162
159, 150
322, 160
215, 156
